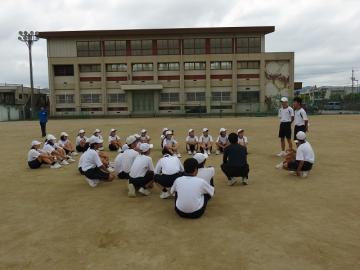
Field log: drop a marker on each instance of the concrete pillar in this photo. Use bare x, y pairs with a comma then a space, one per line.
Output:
77, 88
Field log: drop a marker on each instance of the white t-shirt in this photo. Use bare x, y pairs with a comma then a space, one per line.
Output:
169, 165
243, 141
48, 148
142, 164
33, 154
222, 140
285, 114
62, 143
206, 139
90, 160
81, 160
192, 139
123, 161
168, 142
206, 173
300, 117
113, 138
79, 139
305, 153
190, 193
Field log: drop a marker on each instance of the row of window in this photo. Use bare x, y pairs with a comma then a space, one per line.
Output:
242, 97
190, 46
68, 70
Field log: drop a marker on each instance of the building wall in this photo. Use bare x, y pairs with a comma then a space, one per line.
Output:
273, 78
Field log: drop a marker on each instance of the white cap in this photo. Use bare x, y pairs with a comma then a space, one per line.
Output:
143, 130
124, 147
191, 130
284, 99
64, 134
222, 129
130, 140
93, 139
205, 129
169, 132
240, 130
301, 135
112, 130
165, 129
144, 147
200, 158
137, 136
81, 131
97, 130
33, 143
50, 137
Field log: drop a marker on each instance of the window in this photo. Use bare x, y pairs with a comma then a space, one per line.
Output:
141, 47
168, 47
248, 97
194, 46
248, 45
64, 99
116, 67
195, 109
117, 109
63, 70
169, 97
116, 98
221, 96
248, 64
223, 107
90, 68
195, 65
142, 67
195, 96
225, 65
91, 109
65, 109
221, 45
169, 66
88, 48
115, 47
169, 108
90, 98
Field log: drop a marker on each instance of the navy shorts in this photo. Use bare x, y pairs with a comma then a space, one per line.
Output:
285, 130
34, 164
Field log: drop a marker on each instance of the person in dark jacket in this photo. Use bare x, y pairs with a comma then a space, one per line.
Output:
235, 161
43, 118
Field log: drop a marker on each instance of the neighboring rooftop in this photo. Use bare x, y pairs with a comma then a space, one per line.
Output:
159, 31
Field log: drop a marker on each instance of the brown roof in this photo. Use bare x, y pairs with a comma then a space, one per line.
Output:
158, 32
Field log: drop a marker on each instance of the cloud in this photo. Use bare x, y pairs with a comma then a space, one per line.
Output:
321, 33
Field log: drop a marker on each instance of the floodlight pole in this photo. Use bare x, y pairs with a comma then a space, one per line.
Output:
29, 38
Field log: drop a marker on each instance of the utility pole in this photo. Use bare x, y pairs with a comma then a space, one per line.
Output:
29, 38
352, 81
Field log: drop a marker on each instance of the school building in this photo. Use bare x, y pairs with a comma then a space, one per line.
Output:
166, 71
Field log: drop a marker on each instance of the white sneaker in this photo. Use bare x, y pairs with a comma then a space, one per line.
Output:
208, 152
244, 181
280, 165
55, 166
292, 173
165, 195
101, 148
70, 160
64, 162
232, 181
144, 191
304, 174
74, 154
92, 182
110, 170
281, 154
194, 153
217, 152
131, 191
179, 155
112, 164
189, 152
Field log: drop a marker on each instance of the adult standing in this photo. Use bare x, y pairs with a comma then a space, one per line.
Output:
286, 115
43, 118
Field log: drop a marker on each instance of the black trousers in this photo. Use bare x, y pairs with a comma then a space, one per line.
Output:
202, 149
141, 182
191, 147
165, 180
235, 171
43, 129
295, 164
123, 176
195, 214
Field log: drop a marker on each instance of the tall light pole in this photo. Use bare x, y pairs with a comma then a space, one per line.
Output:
29, 38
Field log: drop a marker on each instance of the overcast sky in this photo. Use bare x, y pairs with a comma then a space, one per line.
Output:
324, 34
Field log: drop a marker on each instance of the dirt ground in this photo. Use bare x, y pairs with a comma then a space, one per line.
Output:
51, 219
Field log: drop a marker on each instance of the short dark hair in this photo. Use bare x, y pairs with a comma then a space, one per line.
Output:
190, 165
298, 100
233, 138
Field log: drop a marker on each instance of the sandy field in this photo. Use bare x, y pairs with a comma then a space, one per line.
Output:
51, 219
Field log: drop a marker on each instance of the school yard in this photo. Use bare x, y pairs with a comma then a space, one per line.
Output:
51, 219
